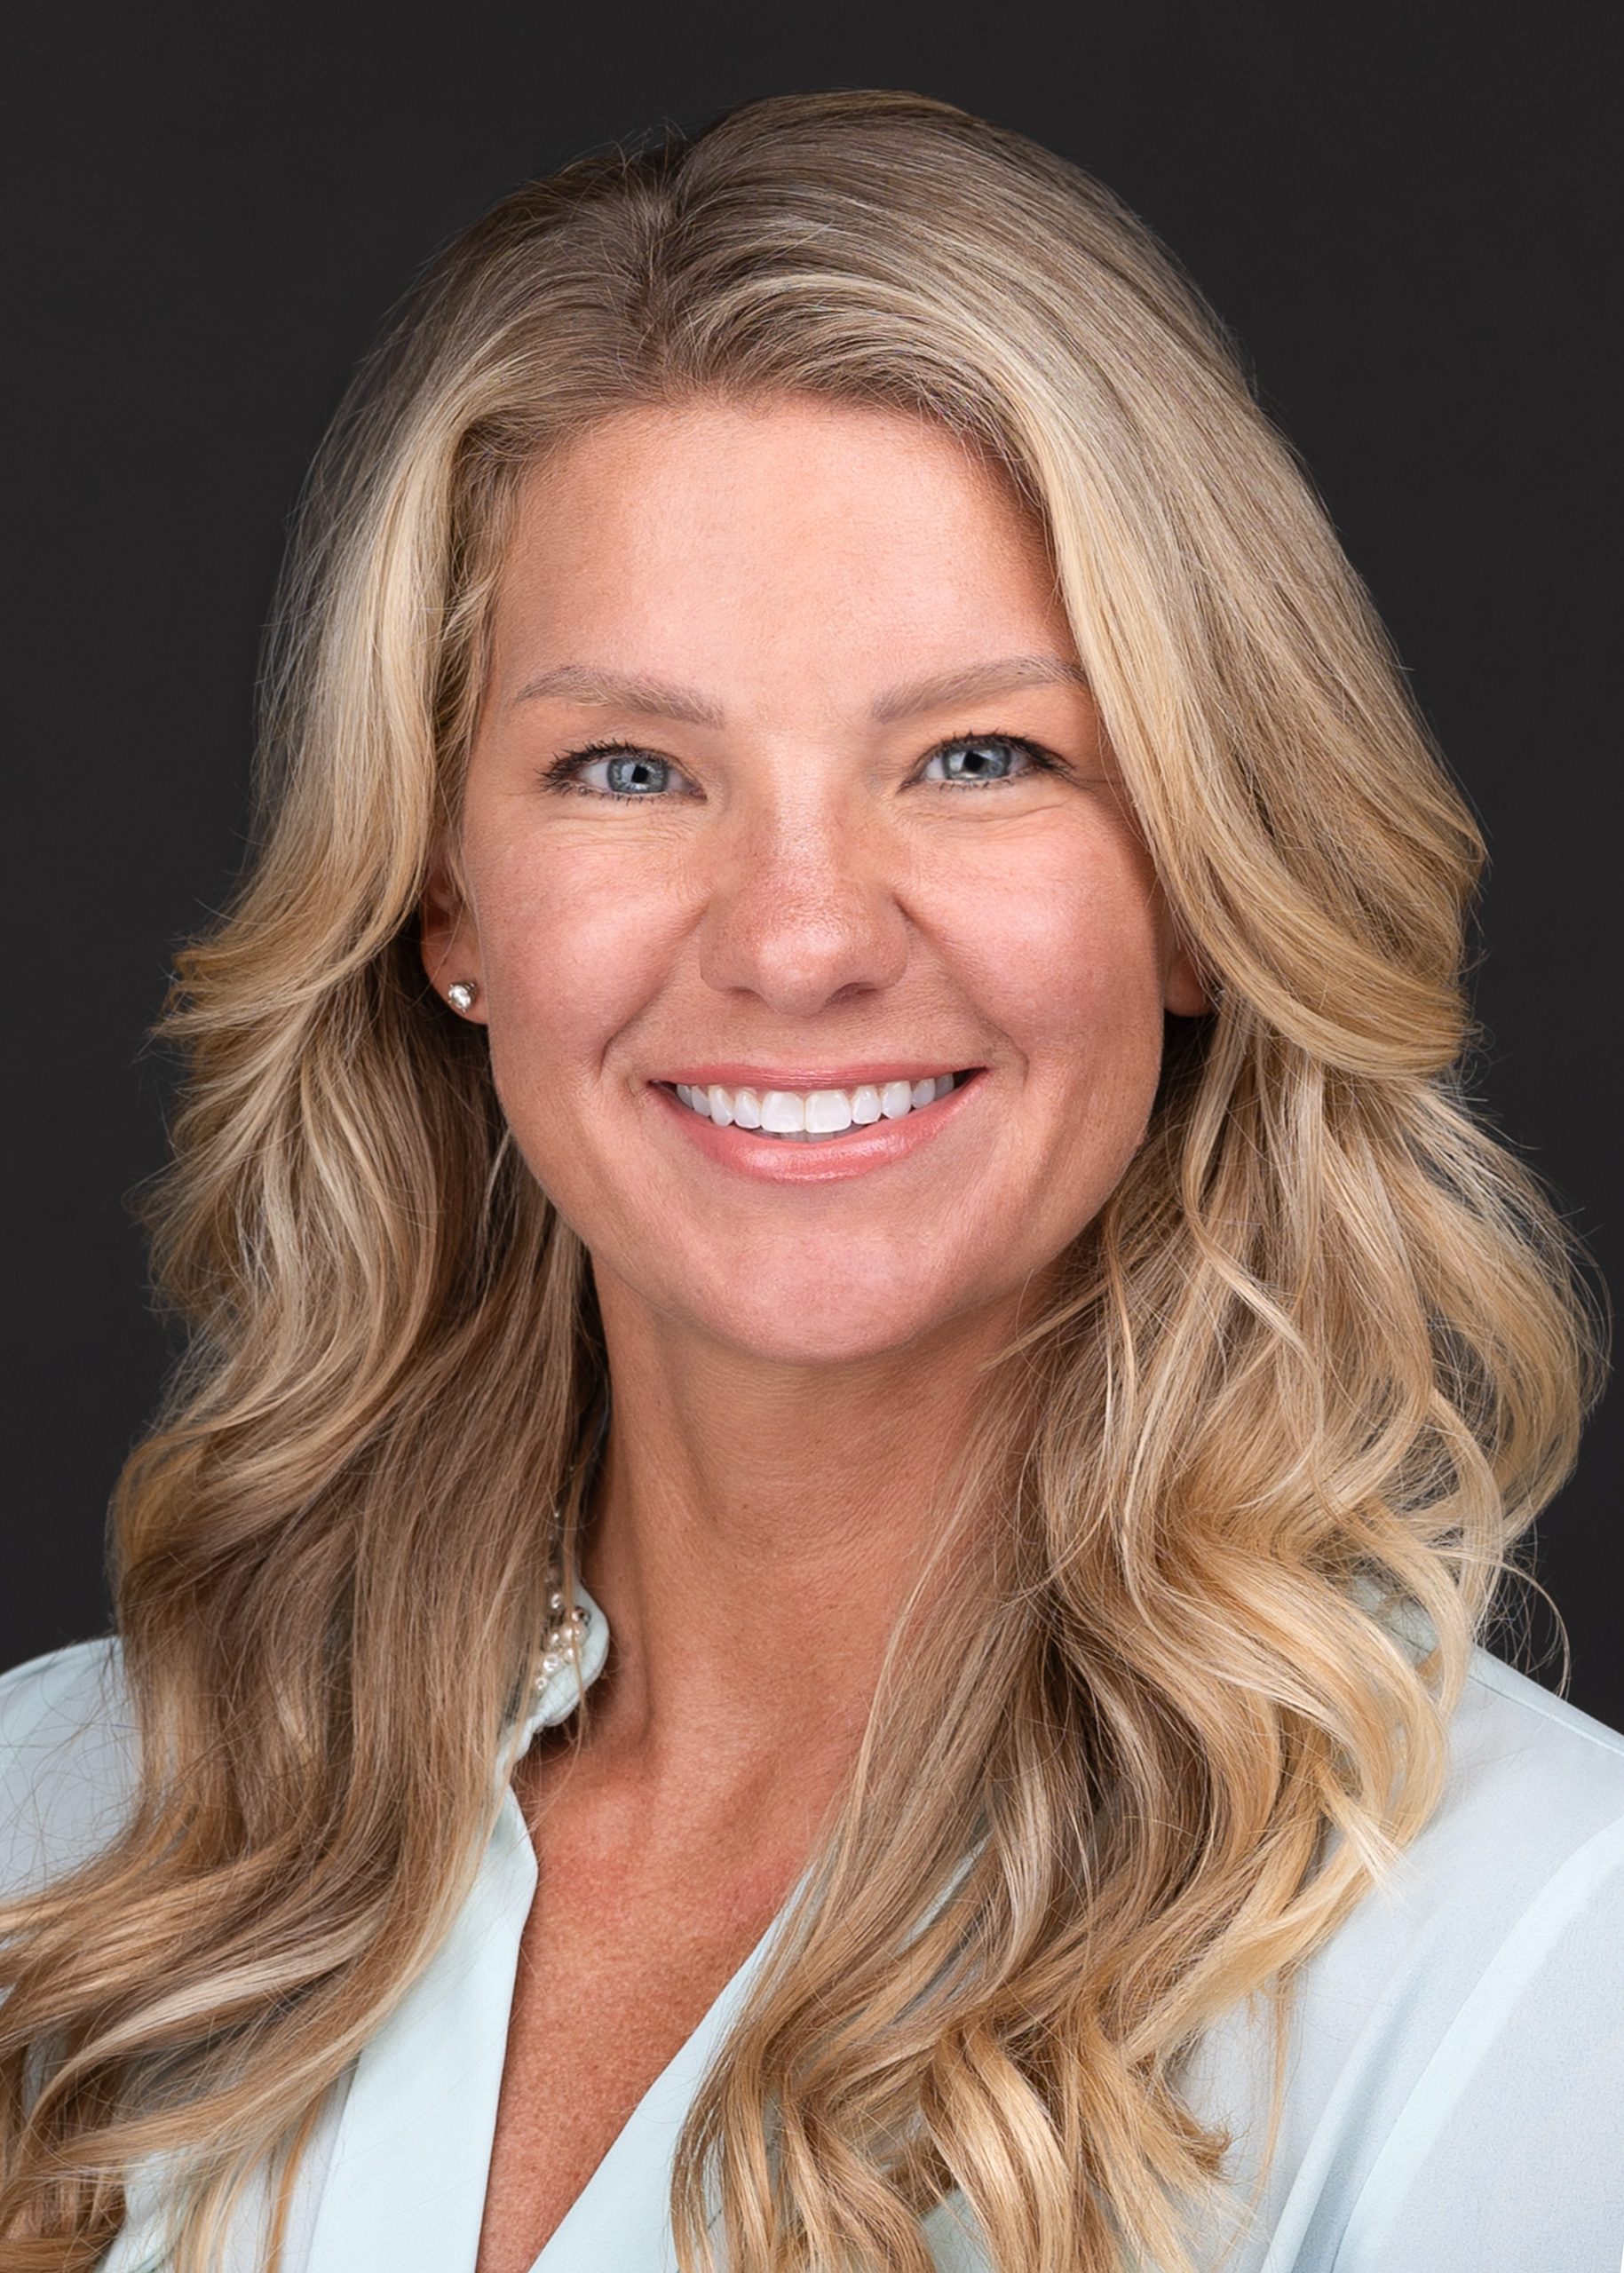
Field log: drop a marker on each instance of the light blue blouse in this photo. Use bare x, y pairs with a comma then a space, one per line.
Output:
1455, 2098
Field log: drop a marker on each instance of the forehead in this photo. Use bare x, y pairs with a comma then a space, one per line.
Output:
679, 530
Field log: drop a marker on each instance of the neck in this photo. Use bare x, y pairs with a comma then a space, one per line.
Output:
756, 1532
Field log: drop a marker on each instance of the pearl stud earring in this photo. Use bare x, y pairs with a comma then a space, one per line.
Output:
460, 994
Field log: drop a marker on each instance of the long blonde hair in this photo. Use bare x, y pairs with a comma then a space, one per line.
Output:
1324, 1353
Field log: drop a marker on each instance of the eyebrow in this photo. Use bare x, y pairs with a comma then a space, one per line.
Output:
653, 698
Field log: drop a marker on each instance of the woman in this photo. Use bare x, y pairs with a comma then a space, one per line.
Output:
844, 858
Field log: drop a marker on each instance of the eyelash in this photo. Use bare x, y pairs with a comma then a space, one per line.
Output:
561, 773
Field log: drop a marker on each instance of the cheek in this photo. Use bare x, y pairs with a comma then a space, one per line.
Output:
572, 949
1063, 950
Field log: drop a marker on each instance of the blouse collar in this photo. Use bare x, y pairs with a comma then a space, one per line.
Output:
556, 1697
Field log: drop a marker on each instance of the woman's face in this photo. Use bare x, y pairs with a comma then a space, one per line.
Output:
867, 835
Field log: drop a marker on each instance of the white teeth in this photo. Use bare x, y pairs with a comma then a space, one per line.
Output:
810, 1118
783, 1113
827, 1112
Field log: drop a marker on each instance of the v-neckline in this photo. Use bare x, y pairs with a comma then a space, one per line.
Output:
620, 2215
406, 2180
579, 2242
406, 2183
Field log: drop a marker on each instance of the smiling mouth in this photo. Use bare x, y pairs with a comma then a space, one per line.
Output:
815, 1116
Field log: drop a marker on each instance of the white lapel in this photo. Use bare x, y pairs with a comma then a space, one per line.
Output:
405, 2186
405, 2183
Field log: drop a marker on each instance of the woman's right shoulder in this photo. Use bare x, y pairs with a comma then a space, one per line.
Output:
69, 1762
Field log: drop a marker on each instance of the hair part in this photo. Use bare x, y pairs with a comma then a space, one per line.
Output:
1323, 1356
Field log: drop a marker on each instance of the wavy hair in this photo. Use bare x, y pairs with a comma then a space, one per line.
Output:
1322, 1358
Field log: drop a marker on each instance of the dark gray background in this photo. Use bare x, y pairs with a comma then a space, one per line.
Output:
1406, 216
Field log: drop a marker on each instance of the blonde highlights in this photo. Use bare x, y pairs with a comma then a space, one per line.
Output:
1323, 1354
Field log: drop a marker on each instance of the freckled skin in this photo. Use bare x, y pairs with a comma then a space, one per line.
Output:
815, 899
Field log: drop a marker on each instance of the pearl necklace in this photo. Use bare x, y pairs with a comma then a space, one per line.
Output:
565, 1621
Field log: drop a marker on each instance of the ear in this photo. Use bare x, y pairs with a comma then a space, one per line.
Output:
1185, 992
448, 938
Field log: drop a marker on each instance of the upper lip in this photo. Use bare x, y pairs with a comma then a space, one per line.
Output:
734, 1073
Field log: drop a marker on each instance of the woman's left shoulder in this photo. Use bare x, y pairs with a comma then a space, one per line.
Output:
1533, 1806
1501, 1692
1456, 2081
1521, 1860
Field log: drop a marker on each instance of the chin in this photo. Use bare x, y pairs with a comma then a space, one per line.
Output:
831, 1328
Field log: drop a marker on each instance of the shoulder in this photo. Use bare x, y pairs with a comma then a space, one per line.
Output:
1532, 1812
1528, 1832
1528, 1839
1456, 2073
67, 1761
1511, 1737
1533, 1796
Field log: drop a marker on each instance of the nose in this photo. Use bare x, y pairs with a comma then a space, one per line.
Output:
802, 909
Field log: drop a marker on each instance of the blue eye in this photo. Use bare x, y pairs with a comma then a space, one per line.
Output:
630, 774
973, 761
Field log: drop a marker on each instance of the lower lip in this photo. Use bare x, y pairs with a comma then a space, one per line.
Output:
853, 1152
